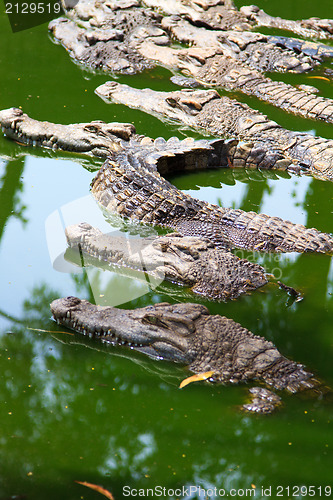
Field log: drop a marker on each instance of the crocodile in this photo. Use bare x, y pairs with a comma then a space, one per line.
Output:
212, 346
104, 35
210, 272
101, 139
229, 59
96, 137
223, 15
129, 184
221, 116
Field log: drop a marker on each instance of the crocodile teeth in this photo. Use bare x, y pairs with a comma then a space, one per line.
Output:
173, 141
159, 143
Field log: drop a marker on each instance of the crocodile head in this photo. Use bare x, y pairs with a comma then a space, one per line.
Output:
96, 137
161, 331
182, 105
187, 260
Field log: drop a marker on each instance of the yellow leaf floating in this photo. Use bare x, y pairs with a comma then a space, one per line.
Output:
320, 78
95, 487
196, 378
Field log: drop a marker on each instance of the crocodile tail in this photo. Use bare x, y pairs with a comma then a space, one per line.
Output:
233, 76
267, 233
252, 231
298, 102
282, 95
143, 195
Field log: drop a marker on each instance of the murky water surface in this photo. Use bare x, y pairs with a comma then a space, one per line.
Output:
73, 410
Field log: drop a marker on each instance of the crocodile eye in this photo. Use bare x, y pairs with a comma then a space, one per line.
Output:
91, 128
172, 102
154, 320
190, 106
150, 319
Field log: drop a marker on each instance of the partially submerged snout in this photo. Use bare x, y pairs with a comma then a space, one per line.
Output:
151, 330
9, 118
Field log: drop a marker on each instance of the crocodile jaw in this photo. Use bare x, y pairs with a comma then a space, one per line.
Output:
183, 106
97, 137
134, 329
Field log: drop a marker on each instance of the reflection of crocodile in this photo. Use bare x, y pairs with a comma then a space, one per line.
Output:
129, 184
219, 115
214, 347
189, 261
131, 39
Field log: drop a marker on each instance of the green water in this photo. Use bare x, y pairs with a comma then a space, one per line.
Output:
72, 410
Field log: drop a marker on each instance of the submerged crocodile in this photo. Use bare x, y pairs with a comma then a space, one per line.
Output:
221, 116
214, 347
129, 184
128, 38
189, 261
